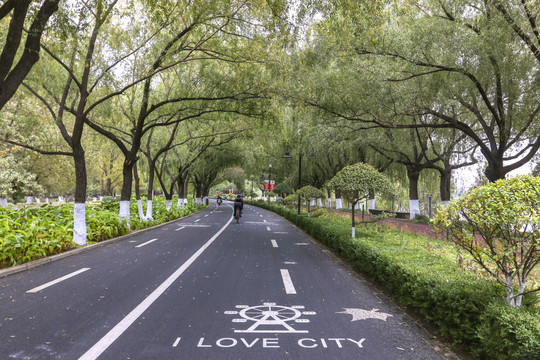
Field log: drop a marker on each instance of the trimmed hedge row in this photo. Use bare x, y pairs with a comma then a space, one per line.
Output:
466, 309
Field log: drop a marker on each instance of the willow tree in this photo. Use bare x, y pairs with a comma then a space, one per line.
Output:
465, 65
356, 182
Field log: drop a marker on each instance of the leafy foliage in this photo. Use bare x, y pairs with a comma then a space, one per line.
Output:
32, 233
506, 217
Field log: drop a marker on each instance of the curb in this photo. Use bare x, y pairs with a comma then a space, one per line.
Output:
32, 264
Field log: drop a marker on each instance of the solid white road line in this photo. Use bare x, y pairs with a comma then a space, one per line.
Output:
289, 287
274, 243
146, 243
95, 351
51, 283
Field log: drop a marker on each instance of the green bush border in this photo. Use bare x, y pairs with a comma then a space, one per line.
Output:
465, 308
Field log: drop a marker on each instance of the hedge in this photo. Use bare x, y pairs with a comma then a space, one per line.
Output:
466, 308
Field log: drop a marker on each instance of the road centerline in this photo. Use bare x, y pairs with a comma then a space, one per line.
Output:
54, 282
103, 344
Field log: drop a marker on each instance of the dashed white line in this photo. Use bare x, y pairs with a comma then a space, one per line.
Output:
146, 243
197, 220
287, 282
268, 228
51, 283
177, 341
264, 221
274, 243
180, 228
301, 244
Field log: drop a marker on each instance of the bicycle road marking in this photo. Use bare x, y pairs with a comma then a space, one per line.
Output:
54, 282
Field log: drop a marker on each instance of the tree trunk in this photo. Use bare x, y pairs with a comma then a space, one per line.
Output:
445, 185
125, 195
79, 213
150, 194
138, 193
413, 175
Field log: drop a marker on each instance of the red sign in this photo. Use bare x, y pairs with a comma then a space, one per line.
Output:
266, 185
272, 184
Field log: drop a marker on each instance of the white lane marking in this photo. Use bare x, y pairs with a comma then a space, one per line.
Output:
197, 220
274, 243
268, 228
260, 215
51, 283
180, 228
206, 215
290, 262
301, 244
95, 351
264, 221
176, 342
146, 243
281, 232
289, 287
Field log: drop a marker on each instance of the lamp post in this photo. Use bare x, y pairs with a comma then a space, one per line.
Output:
288, 156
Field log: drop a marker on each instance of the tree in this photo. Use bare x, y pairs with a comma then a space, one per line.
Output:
15, 180
356, 182
309, 193
11, 74
506, 216
283, 190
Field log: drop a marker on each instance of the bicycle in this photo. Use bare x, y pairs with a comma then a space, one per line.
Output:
237, 214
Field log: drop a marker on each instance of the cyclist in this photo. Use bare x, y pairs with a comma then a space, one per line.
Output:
219, 200
238, 205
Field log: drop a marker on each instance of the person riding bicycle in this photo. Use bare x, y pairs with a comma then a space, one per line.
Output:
219, 200
238, 205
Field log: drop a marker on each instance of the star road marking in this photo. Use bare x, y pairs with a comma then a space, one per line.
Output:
360, 314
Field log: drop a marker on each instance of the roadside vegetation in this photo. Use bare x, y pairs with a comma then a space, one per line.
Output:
32, 233
434, 280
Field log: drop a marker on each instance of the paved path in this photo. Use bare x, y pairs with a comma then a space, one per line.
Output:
203, 288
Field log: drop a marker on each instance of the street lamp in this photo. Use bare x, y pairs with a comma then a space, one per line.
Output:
288, 156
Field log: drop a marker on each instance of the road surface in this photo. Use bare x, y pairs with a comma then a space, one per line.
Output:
203, 287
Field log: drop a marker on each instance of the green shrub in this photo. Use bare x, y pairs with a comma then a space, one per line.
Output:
509, 333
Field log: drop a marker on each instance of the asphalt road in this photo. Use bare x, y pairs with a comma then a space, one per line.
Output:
203, 288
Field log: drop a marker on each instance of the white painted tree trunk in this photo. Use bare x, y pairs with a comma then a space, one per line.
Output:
319, 202
168, 205
124, 212
149, 210
371, 204
47, 201
197, 201
329, 203
79, 223
445, 203
312, 202
3, 202
180, 203
29, 200
38, 201
353, 235
61, 199
414, 208
339, 203
141, 210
